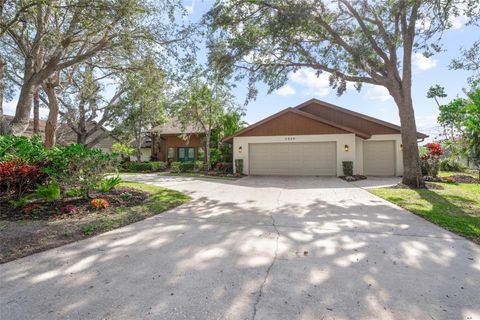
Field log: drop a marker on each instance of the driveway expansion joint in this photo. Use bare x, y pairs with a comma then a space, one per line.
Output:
267, 273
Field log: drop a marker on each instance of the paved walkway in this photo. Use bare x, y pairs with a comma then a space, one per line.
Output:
257, 248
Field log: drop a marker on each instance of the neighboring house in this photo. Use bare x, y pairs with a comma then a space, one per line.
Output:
170, 143
29, 131
314, 138
66, 136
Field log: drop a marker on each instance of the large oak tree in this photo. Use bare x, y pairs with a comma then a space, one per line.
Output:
53, 35
356, 41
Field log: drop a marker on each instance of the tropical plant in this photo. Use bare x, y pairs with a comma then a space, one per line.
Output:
98, 203
17, 178
49, 192
109, 183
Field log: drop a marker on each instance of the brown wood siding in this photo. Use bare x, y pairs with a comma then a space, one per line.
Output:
174, 141
348, 120
292, 124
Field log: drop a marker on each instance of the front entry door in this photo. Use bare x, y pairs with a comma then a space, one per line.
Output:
185, 154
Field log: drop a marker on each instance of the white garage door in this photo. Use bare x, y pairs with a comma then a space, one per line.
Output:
298, 158
379, 158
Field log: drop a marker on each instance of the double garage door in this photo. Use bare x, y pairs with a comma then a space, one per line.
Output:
295, 158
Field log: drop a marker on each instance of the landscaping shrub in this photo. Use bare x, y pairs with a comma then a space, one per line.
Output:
347, 168
199, 165
143, 166
224, 167
424, 165
50, 192
17, 178
157, 165
186, 166
430, 163
239, 166
25, 163
175, 167
27, 150
452, 165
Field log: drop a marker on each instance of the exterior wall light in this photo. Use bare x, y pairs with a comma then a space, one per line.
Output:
401, 146
346, 148
240, 149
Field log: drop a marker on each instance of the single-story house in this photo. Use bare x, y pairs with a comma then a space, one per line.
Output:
66, 136
29, 131
170, 142
314, 138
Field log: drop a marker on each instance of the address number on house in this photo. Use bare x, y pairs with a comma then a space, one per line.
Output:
289, 138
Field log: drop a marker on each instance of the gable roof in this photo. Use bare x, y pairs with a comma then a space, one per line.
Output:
172, 126
358, 129
29, 131
322, 104
301, 113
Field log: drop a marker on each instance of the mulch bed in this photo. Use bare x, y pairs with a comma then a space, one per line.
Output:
460, 179
83, 207
355, 177
428, 186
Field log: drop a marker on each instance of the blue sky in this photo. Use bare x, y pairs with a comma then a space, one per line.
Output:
372, 100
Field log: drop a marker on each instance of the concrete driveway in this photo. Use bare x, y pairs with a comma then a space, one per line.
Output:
257, 248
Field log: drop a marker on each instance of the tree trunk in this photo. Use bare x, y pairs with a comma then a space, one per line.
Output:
412, 175
139, 151
51, 125
4, 127
82, 138
207, 151
36, 112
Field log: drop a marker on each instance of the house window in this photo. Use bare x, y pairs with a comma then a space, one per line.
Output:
201, 153
191, 153
181, 153
171, 153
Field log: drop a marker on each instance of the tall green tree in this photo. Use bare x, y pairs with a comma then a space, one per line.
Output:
144, 104
472, 128
461, 120
359, 41
469, 60
202, 103
436, 91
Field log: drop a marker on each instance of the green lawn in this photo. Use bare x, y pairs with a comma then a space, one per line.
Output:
160, 199
472, 173
199, 175
456, 208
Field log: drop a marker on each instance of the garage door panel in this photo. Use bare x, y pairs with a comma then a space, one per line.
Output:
312, 158
379, 158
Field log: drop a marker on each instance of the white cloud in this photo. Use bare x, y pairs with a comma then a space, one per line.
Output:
378, 93
318, 86
286, 90
190, 7
424, 63
458, 22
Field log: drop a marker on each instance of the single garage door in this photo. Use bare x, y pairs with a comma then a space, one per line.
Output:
379, 158
295, 158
